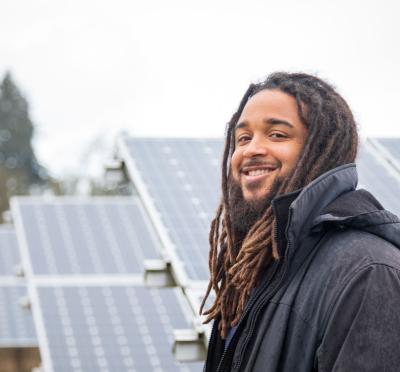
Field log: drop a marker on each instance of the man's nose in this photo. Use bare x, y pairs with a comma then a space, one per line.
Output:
256, 147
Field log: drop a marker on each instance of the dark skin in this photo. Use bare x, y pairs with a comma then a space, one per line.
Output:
269, 138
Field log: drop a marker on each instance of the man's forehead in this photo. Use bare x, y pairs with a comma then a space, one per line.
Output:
271, 107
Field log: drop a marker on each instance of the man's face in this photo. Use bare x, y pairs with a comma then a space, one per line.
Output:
269, 137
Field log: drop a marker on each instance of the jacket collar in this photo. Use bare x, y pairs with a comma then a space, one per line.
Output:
296, 212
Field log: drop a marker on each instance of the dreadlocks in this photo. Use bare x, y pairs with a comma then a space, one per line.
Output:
236, 264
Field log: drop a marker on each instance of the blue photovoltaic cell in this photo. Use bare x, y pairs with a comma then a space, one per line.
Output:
392, 145
374, 177
124, 329
9, 254
183, 178
16, 324
100, 236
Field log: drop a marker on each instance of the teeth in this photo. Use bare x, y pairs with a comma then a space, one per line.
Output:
258, 172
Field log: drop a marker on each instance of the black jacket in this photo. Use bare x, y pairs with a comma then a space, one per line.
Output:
332, 303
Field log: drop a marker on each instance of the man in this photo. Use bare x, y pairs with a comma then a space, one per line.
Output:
305, 268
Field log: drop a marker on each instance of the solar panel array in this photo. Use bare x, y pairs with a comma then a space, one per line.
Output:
84, 258
84, 267
16, 323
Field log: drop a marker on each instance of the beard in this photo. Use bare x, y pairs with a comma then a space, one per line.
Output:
245, 213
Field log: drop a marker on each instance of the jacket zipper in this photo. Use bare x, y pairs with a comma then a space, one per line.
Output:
247, 309
261, 304
256, 297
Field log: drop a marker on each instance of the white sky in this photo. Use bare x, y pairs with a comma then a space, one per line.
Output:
179, 67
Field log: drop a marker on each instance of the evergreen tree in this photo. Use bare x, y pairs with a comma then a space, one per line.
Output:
19, 168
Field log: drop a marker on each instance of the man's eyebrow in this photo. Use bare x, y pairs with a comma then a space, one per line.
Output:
242, 124
270, 121
274, 121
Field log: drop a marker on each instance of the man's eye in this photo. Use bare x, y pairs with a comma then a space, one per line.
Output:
243, 139
278, 135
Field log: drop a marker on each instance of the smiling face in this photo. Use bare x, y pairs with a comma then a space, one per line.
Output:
269, 137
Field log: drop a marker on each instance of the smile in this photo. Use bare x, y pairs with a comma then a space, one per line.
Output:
254, 175
257, 172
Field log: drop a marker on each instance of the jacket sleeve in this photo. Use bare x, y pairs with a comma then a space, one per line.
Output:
363, 327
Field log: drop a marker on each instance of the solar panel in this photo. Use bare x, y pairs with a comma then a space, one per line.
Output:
91, 236
179, 182
106, 320
16, 323
118, 328
181, 177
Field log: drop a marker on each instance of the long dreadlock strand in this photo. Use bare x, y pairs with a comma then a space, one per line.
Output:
212, 259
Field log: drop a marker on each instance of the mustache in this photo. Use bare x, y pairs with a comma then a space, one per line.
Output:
254, 162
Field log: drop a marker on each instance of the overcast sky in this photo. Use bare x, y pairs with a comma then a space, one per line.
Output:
179, 67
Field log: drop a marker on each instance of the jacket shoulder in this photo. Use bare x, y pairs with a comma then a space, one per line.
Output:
341, 257
351, 249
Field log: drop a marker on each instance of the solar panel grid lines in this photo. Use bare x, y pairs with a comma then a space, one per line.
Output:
194, 230
212, 152
119, 328
86, 236
137, 240
66, 238
90, 241
179, 219
47, 246
170, 252
198, 184
179, 178
112, 239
